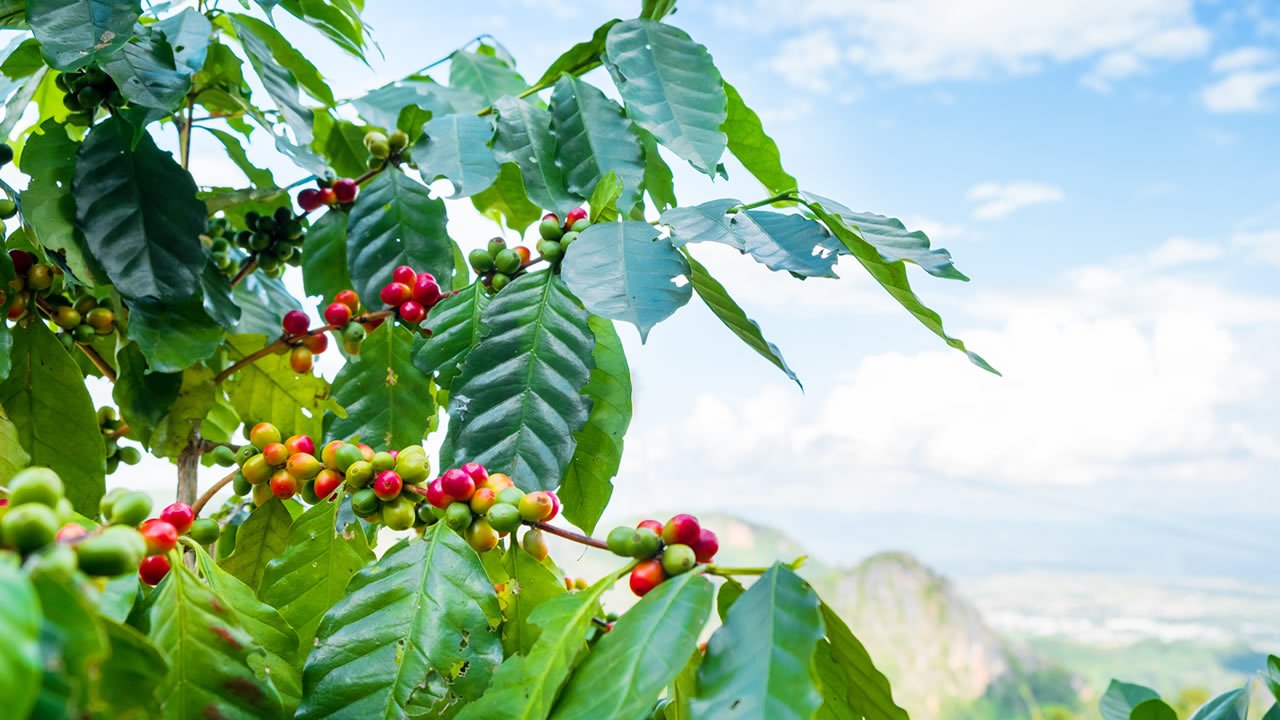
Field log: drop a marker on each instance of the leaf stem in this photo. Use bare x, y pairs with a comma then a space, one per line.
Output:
213, 490
780, 197
730, 571
569, 535
285, 341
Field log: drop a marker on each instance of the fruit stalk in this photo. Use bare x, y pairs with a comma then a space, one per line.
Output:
245, 269
569, 535
283, 342
89, 352
204, 499
730, 571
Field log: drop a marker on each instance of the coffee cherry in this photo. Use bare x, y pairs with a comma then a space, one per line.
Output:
29, 527
303, 466
426, 514
300, 444
399, 514
257, 470
382, 461
130, 508
160, 536
337, 314
396, 294
646, 576
550, 250
364, 502
316, 343
345, 190
523, 253
707, 546
645, 543
296, 322
115, 551
550, 229
482, 499
300, 359
682, 529
504, 518
509, 495
677, 559
458, 485
22, 261
481, 535
83, 334
353, 332
39, 277
436, 495
6, 153
309, 199
37, 485
551, 217
66, 318
496, 246
506, 261
261, 494
412, 312
653, 525
153, 569
348, 298
480, 259
579, 226
398, 140
499, 281
328, 196
377, 144
535, 507
426, 290
223, 455
205, 531
498, 481
101, 319
282, 484
458, 516
275, 454
69, 532
574, 216
620, 542
535, 543
240, 485
264, 433
404, 274
359, 474
555, 506
345, 456
179, 515
387, 485
412, 467
326, 482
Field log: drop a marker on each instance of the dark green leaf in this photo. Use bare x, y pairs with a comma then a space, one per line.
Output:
217, 297
195, 399
657, 9
173, 335
395, 221
1121, 698
268, 390
259, 540
382, 107
457, 147
13, 15
671, 88
592, 138
792, 243
260, 177
580, 58
416, 635
849, 678
646, 649
626, 271
144, 398
760, 662
148, 74
506, 202
342, 144
188, 33
387, 398
279, 80
518, 402
484, 75
75, 33
138, 211
132, 673
287, 56
1153, 709
324, 257
20, 652
1271, 676
455, 329
1230, 705
524, 137
729, 593
47, 401
12, 457
264, 301
733, 317
748, 142
226, 200
48, 205
588, 481
530, 583
73, 644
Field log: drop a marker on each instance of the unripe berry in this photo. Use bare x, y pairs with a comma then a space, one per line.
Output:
101, 319
507, 261
645, 543
552, 217
365, 502
480, 259
499, 281
426, 290
29, 527
458, 484
295, 322
179, 515
481, 536
359, 473
399, 514
300, 444
398, 140
396, 294
504, 518
707, 546
262, 494
677, 559
620, 540
35, 485
580, 225
412, 467
412, 312
160, 536
345, 189
326, 482
264, 433
458, 516
510, 495
337, 314
344, 456
535, 543
205, 531
550, 229
482, 499
382, 461
353, 333
317, 343
436, 495
153, 569
66, 317
348, 298
303, 466
500, 482
682, 529
574, 216
646, 576
223, 456
550, 250
496, 246
276, 454
523, 253
536, 506
309, 199
130, 508
387, 485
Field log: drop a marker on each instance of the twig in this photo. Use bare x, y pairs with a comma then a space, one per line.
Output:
245, 269
570, 535
119, 432
729, 571
285, 341
213, 490
43, 306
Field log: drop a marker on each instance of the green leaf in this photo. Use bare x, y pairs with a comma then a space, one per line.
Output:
12, 457
530, 583
658, 181
588, 481
382, 107
13, 15
780, 242
139, 214
506, 202
211, 656
395, 221
484, 75
48, 205
75, 33
341, 143
260, 177
524, 138
729, 593
626, 271
657, 9
313, 571
707, 222
457, 147
46, 399
644, 652
593, 136
262, 538
132, 673
324, 257
1121, 698
280, 83
288, 57
525, 686
1271, 676
1230, 705
188, 33
148, 73
73, 644
20, 652
455, 326
387, 398
195, 400
266, 626
748, 142
416, 635
173, 335
1153, 709
268, 390
733, 317
671, 88
580, 58
890, 238
760, 662
144, 398
850, 681
338, 20
264, 301
892, 276
518, 402
604, 199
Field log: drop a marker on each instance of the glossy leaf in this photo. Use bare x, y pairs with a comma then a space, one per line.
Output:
455, 326
1230, 705
398, 644
173, 335
760, 662
261, 539
387, 398
529, 584
48, 206
646, 649
627, 271
49, 406
658, 181
706, 222
1153, 709
849, 678
724, 307
517, 402
671, 88
456, 147
580, 58
604, 199
382, 107
263, 301
268, 390
730, 591
75, 33
890, 238
484, 75
338, 20
211, 656
143, 397
20, 652
506, 202
593, 136
131, 674
148, 74
524, 137
588, 481
188, 33
748, 142
287, 56
312, 573
785, 242
324, 257
394, 222
139, 214
260, 177
280, 83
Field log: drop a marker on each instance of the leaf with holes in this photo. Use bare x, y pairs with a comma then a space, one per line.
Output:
518, 402
455, 326
529, 584
484, 75
148, 73
671, 88
415, 636
262, 538
387, 398
891, 239
524, 138
76, 33
593, 136
456, 147
395, 221
268, 390
627, 271
748, 142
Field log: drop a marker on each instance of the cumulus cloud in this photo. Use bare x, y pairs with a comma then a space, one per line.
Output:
1247, 76
1263, 245
1183, 251
997, 200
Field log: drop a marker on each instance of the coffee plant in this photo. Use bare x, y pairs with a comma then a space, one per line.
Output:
122, 265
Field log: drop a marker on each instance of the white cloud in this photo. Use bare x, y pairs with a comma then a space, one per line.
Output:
1263, 245
1248, 75
1183, 251
1242, 59
998, 200
806, 61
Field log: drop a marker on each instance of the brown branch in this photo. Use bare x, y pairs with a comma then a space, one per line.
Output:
285, 341
245, 269
213, 490
184, 134
119, 432
570, 535
43, 306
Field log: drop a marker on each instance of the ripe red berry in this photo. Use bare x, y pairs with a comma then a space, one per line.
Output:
326, 482
555, 506
309, 199
295, 322
300, 444
316, 343
426, 290
153, 569
22, 261
707, 546
476, 471
436, 495
180, 516
653, 525
283, 485
551, 216
387, 485
160, 536
404, 274
412, 312
275, 454
348, 298
396, 294
682, 529
458, 485
337, 314
647, 575
344, 189
69, 532
574, 216
328, 196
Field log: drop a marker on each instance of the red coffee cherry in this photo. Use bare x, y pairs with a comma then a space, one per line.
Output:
682, 529
283, 485
345, 190
180, 516
295, 322
160, 536
653, 525
707, 546
153, 569
309, 199
328, 196
387, 485
396, 294
338, 314
436, 494
574, 216
647, 575
476, 471
404, 274
348, 298
300, 444
458, 485
426, 290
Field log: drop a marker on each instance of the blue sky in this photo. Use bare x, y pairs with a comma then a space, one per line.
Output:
1104, 170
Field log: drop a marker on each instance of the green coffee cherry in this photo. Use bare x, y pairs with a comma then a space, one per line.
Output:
130, 455
365, 503
677, 559
353, 332
205, 531
510, 496
458, 516
620, 541
29, 527
504, 518
131, 508
382, 461
105, 504
398, 140
359, 474
568, 239
8, 208
35, 485
223, 455
506, 261
399, 514
239, 485
580, 225
496, 246
116, 551
645, 543
480, 259
550, 229
346, 456
499, 281
550, 250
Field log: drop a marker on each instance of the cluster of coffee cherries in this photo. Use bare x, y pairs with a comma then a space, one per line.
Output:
160, 534
497, 264
34, 279
484, 507
411, 293
86, 89
557, 236
385, 148
304, 344
342, 191
663, 550
108, 423
342, 313
272, 466
220, 238
275, 240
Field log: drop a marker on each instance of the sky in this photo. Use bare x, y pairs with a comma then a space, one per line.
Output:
1106, 173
